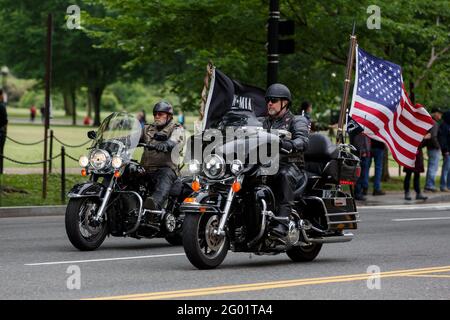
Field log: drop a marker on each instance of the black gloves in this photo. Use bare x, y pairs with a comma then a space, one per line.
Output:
165, 146
286, 144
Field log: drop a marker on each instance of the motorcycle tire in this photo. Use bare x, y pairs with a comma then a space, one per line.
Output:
304, 254
196, 228
74, 222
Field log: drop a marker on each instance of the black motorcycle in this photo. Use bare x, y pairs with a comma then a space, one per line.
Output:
111, 202
234, 206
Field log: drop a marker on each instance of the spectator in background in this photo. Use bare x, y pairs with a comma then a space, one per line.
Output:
433, 151
444, 143
3, 125
418, 168
362, 145
87, 120
377, 154
181, 117
141, 117
314, 126
42, 114
33, 111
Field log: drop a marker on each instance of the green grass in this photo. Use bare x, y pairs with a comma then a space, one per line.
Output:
32, 185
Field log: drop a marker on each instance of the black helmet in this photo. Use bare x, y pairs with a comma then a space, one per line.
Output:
163, 106
278, 90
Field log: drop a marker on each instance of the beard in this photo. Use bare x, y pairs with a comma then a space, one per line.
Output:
272, 112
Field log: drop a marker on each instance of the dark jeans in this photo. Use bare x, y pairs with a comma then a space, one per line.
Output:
283, 185
160, 182
377, 155
2, 146
363, 180
408, 181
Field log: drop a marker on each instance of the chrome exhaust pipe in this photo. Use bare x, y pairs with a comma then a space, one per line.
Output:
346, 237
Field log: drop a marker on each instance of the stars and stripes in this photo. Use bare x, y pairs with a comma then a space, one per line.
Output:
382, 107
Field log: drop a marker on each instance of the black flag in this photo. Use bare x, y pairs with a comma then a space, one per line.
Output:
225, 94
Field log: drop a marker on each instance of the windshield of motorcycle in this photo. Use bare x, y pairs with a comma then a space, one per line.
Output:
119, 134
239, 118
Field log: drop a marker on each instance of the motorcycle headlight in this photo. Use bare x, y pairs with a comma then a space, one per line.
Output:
99, 159
194, 166
236, 166
116, 162
83, 161
214, 166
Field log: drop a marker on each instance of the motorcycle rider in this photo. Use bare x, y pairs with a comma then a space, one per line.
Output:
278, 99
163, 138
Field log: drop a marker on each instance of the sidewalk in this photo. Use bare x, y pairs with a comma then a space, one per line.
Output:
397, 198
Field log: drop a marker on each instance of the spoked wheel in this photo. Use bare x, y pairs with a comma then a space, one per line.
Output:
83, 231
204, 248
304, 253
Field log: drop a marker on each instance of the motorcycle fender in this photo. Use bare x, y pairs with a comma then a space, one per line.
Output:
204, 202
87, 189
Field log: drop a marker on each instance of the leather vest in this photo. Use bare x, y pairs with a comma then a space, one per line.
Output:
152, 159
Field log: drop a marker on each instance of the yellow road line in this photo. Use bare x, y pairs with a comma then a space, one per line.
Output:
273, 284
430, 276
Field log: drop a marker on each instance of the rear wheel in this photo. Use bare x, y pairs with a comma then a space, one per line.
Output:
83, 231
204, 248
305, 253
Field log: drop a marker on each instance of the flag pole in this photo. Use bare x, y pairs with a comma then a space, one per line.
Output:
342, 114
204, 95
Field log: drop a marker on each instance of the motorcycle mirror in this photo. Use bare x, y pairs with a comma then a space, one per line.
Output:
92, 134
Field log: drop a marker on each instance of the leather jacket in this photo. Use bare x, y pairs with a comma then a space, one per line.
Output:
296, 125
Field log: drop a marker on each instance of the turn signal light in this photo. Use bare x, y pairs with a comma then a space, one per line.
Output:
117, 173
83, 172
236, 186
195, 185
189, 200
345, 182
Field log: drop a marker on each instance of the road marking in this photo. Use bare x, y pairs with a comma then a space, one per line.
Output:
430, 276
409, 207
103, 260
421, 219
270, 285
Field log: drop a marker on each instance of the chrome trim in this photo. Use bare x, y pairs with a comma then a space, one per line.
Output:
342, 213
346, 237
105, 200
345, 222
226, 211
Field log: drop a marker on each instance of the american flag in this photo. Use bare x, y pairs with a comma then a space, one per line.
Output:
381, 106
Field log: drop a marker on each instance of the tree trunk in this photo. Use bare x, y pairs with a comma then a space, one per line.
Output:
73, 97
89, 105
96, 97
68, 103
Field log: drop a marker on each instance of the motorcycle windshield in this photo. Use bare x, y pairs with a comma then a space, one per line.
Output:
119, 134
239, 118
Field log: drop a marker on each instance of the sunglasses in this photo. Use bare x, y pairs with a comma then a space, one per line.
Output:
159, 114
272, 100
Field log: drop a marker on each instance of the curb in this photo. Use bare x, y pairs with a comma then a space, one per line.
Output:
38, 211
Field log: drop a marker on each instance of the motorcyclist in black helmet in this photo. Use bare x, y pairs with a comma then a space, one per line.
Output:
278, 99
164, 139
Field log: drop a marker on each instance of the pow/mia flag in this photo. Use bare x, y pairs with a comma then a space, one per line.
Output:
353, 128
226, 94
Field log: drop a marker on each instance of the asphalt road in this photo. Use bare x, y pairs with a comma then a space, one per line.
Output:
408, 245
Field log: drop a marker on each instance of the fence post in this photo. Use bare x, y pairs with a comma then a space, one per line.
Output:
63, 174
51, 152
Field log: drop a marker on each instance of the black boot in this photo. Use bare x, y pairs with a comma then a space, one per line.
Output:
151, 204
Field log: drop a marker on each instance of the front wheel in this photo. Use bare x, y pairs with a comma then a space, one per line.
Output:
304, 254
204, 249
83, 231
